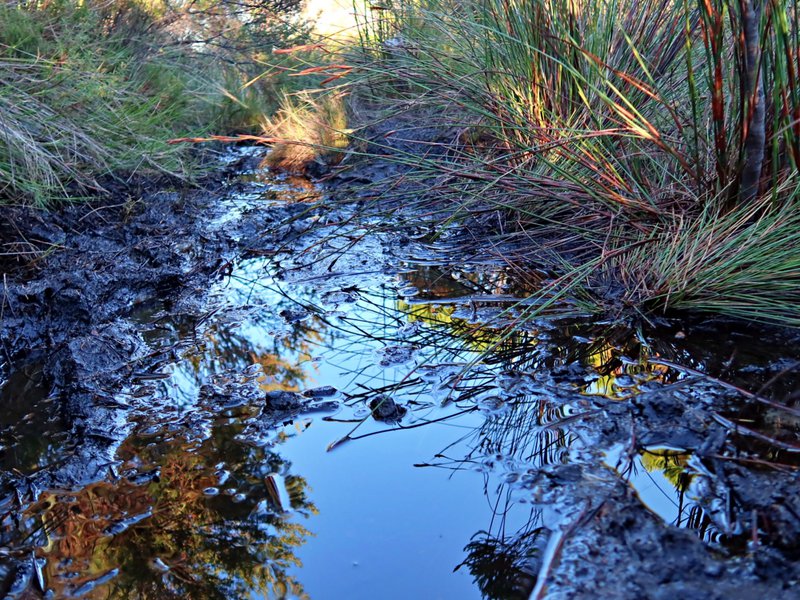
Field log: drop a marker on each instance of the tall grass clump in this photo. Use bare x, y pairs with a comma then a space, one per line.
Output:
81, 101
651, 146
93, 90
308, 128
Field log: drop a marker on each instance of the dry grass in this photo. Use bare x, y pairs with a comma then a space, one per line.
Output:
311, 128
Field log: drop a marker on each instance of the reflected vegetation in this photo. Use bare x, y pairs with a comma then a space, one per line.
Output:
672, 483
624, 370
196, 487
504, 565
437, 281
242, 330
256, 189
524, 432
277, 187
663, 479
767, 433
185, 518
202, 501
672, 464
204, 486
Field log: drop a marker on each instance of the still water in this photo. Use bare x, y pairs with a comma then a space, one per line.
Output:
337, 422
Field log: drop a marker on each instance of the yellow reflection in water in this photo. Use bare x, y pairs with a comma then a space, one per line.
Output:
608, 353
179, 533
672, 464
474, 337
619, 379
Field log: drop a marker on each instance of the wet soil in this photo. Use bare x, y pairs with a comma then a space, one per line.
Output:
177, 366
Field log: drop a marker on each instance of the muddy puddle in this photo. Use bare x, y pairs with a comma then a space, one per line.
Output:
348, 416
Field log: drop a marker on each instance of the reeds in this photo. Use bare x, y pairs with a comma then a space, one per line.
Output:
741, 262
653, 143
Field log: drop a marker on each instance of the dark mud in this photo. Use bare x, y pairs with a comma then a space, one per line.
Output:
157, 357
65, 300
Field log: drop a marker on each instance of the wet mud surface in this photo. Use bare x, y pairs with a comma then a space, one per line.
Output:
241, 393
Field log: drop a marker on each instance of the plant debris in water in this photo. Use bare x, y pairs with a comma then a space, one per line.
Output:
190, 374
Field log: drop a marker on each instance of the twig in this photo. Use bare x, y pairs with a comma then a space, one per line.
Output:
737, 428
727, 385
6, 299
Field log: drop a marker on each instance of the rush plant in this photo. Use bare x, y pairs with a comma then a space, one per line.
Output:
653, 143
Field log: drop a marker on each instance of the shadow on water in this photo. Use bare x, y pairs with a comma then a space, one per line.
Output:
224, 487
33, 431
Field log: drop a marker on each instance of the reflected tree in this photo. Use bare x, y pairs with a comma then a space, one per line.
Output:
503, 568
190, 518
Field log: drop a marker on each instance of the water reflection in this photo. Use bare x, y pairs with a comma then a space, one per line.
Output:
200, 485
382, 352
663, 478
504, 567
764, 432
522, 432
678, 486
33, 432
208, 496
181, 504
623, 370
442, 281
619, 364
249, 325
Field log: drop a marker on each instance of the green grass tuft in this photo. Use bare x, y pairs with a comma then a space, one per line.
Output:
94, 90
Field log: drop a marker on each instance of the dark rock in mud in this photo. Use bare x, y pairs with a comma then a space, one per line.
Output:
326, 391
385, 409
278, 400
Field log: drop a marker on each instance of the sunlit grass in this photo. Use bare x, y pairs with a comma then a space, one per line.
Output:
309, 129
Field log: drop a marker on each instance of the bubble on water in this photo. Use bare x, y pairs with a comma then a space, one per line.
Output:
361, 412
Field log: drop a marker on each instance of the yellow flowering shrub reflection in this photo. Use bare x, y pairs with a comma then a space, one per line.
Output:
620, 379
